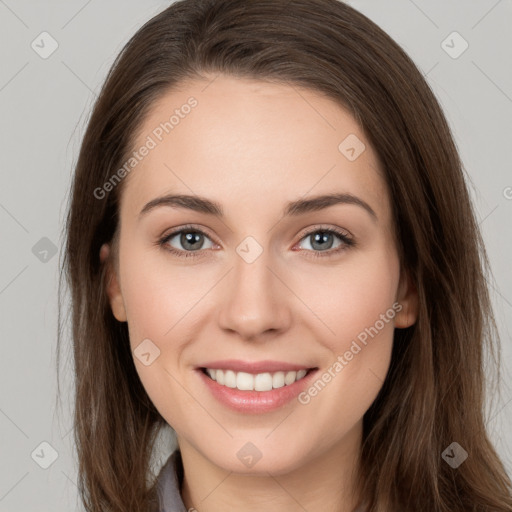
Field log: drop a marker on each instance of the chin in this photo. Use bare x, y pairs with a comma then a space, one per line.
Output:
250, 459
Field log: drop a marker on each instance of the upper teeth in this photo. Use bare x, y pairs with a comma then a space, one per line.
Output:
259, 382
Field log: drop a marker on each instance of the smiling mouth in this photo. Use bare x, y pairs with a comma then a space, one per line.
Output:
265, 381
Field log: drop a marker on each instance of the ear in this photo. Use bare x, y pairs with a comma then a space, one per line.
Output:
112, 287
408, 299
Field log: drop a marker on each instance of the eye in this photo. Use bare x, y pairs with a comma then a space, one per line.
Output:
192, 239
322, 240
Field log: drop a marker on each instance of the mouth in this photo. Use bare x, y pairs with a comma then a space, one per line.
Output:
265, 381
255, 387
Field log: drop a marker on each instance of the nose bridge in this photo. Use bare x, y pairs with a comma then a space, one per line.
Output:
254, 301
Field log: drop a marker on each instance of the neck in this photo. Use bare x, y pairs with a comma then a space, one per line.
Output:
324, 482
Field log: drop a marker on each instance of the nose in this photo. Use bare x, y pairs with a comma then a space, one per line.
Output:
255, 302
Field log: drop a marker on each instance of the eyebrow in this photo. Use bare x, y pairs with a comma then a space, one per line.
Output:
293, 208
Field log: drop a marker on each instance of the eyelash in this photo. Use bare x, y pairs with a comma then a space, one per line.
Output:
347, 241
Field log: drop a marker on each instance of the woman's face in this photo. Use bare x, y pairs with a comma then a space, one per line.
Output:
261, 287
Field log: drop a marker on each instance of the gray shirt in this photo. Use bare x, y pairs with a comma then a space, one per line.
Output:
169, 485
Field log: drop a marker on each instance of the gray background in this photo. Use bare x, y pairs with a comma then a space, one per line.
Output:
45, 104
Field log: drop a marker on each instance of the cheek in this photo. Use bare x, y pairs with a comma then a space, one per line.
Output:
357, 307
157, 302
157, 297
163, 305
355, 301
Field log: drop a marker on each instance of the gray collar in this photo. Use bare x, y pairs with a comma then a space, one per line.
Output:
169, 484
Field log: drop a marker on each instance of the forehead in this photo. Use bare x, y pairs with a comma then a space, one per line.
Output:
244, 141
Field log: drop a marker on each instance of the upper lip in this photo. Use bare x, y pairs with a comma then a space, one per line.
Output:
253, 366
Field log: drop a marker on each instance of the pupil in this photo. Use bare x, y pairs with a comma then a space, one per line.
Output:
188, 239
321, 237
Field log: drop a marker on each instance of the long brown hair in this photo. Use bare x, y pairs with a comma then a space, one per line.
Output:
434, 392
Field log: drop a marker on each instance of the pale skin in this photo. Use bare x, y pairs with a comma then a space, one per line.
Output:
253, 146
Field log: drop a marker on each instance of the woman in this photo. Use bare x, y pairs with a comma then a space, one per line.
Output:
272, 250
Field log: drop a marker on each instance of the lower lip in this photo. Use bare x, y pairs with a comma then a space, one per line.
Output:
256, 401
